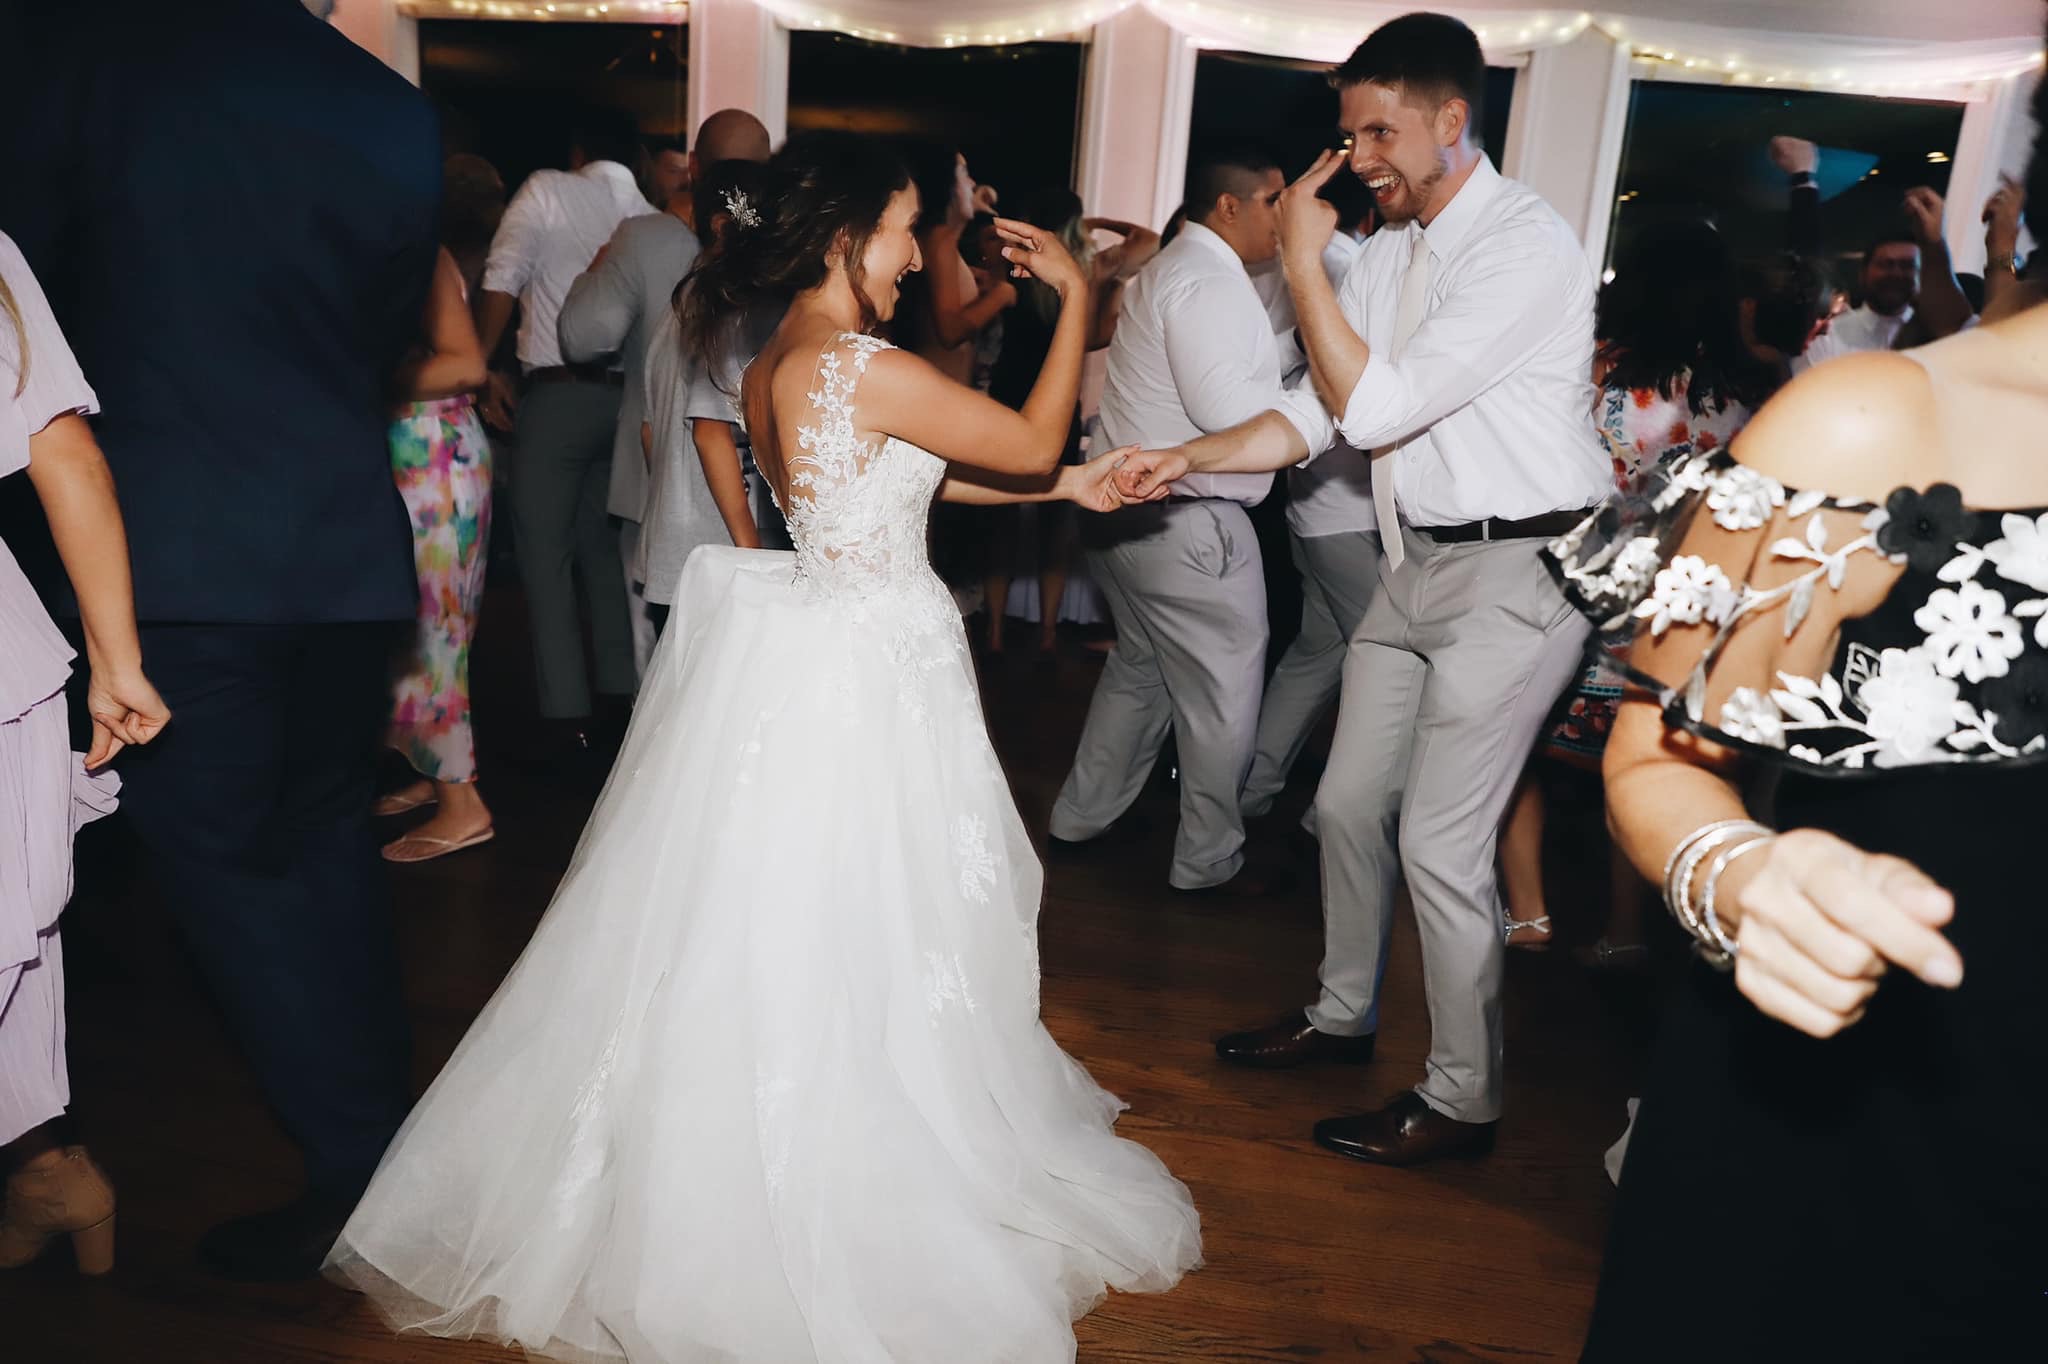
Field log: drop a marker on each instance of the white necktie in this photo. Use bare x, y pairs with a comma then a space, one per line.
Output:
1407, 317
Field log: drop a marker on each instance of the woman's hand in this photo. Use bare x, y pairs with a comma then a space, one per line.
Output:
1038, 253
2002, 218
125, 710
1820, 923
1094, 485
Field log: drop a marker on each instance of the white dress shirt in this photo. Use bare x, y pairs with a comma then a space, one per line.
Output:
1194, 353
1332, 494
1859, 329
1491, 402
551, 231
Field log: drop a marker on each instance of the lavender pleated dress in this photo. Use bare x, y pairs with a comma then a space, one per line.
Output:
45, 792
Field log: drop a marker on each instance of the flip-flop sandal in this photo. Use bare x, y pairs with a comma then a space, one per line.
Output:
398, 803
396, 851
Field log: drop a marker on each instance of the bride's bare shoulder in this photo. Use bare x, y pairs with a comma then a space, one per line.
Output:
1856, 427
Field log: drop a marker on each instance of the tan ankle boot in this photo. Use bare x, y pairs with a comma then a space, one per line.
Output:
59, 1193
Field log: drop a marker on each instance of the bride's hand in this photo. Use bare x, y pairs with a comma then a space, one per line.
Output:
1094, 485
1821, 921
1038, 253
1149, 475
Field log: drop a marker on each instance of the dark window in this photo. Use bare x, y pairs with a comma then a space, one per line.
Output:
1703, 150
503, 87
1012, 110
1290, 104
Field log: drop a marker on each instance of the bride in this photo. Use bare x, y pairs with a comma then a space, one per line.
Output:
769, 1083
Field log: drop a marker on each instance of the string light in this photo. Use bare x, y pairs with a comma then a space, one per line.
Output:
611, 11
1733, 70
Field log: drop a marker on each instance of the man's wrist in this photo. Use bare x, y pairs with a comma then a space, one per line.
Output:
1804, 179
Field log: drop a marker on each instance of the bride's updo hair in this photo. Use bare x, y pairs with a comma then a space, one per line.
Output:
821, 191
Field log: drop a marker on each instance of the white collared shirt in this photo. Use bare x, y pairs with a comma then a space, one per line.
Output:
1491, 401
551, 231
1332, 494
1194, 353
1859, 329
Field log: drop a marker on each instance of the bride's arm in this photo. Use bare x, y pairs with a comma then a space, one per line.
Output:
1091, 485
906, 397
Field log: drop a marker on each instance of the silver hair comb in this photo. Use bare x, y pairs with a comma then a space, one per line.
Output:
742, 208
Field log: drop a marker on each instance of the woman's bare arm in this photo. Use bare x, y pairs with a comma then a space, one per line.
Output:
719, 453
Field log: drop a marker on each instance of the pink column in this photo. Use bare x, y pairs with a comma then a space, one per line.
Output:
1136, 109
739, 59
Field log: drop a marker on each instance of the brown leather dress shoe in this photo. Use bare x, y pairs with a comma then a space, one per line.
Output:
1405, 1132
1293, 1041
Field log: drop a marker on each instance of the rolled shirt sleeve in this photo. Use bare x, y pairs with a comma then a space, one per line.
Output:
1499, 312
602, 304
515, 247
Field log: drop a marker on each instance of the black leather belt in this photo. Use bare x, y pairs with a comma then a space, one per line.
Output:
576, 374
1548, 526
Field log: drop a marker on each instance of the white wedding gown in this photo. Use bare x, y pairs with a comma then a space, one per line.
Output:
769, 1082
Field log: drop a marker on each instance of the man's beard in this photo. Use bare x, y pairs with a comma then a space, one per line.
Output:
1417, 194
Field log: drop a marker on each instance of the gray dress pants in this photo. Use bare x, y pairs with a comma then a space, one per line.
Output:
1446, 685
1187, 590
561, 531
1338, 575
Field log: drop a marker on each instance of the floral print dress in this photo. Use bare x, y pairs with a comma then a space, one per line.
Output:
1644, 430
1887, 664
441, 457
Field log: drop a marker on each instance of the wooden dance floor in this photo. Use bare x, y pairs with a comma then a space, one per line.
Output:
1310, 1257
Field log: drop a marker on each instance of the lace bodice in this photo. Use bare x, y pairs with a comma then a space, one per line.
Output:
857, 511
1840, 637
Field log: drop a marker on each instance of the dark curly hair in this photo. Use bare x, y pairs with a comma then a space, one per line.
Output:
821, 191
1672, 312
2036, 210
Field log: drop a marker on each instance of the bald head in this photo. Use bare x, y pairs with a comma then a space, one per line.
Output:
731, 135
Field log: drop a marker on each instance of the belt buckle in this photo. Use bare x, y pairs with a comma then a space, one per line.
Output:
1486, 530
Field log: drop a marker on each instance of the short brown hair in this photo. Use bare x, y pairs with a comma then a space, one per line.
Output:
1432, 57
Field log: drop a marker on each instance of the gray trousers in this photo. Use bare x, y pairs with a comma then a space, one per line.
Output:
1446, 684
1187, 590
1338, 575
561, 531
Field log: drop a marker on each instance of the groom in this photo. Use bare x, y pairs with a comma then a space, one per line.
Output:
1457, 351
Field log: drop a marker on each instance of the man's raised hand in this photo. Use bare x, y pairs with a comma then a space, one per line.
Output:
1307, 220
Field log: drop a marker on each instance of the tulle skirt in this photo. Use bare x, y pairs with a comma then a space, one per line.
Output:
769, 1082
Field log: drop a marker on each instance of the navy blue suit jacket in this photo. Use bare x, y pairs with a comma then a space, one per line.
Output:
232, 208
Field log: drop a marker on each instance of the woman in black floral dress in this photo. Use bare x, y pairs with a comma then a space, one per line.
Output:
1840, 1152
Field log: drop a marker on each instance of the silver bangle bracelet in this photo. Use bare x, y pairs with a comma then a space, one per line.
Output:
1719, 948
1684, 846
1678, 895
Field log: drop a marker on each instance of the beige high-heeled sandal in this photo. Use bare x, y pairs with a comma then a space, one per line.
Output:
59, 1193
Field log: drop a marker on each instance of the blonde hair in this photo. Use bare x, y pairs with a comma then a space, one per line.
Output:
8, 306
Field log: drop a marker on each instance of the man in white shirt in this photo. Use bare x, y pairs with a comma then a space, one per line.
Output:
1194, 352
551, 231
1334, 539
1459, 351
613, 311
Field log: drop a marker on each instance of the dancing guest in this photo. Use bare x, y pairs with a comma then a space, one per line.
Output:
1027, 336
1333, 538
47, 791
1194, 352
269, 634
472, 206
1849, 602
442, 458
947, 313
695, 497
725, 461
1689, 346
1457, 353
612, 311
567, 422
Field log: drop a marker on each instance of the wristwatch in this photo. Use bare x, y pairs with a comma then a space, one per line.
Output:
1803, 180
2006, 261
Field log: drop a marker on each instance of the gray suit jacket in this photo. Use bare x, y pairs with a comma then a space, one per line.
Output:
613, 311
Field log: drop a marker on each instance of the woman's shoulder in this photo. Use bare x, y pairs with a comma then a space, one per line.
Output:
1856, 428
